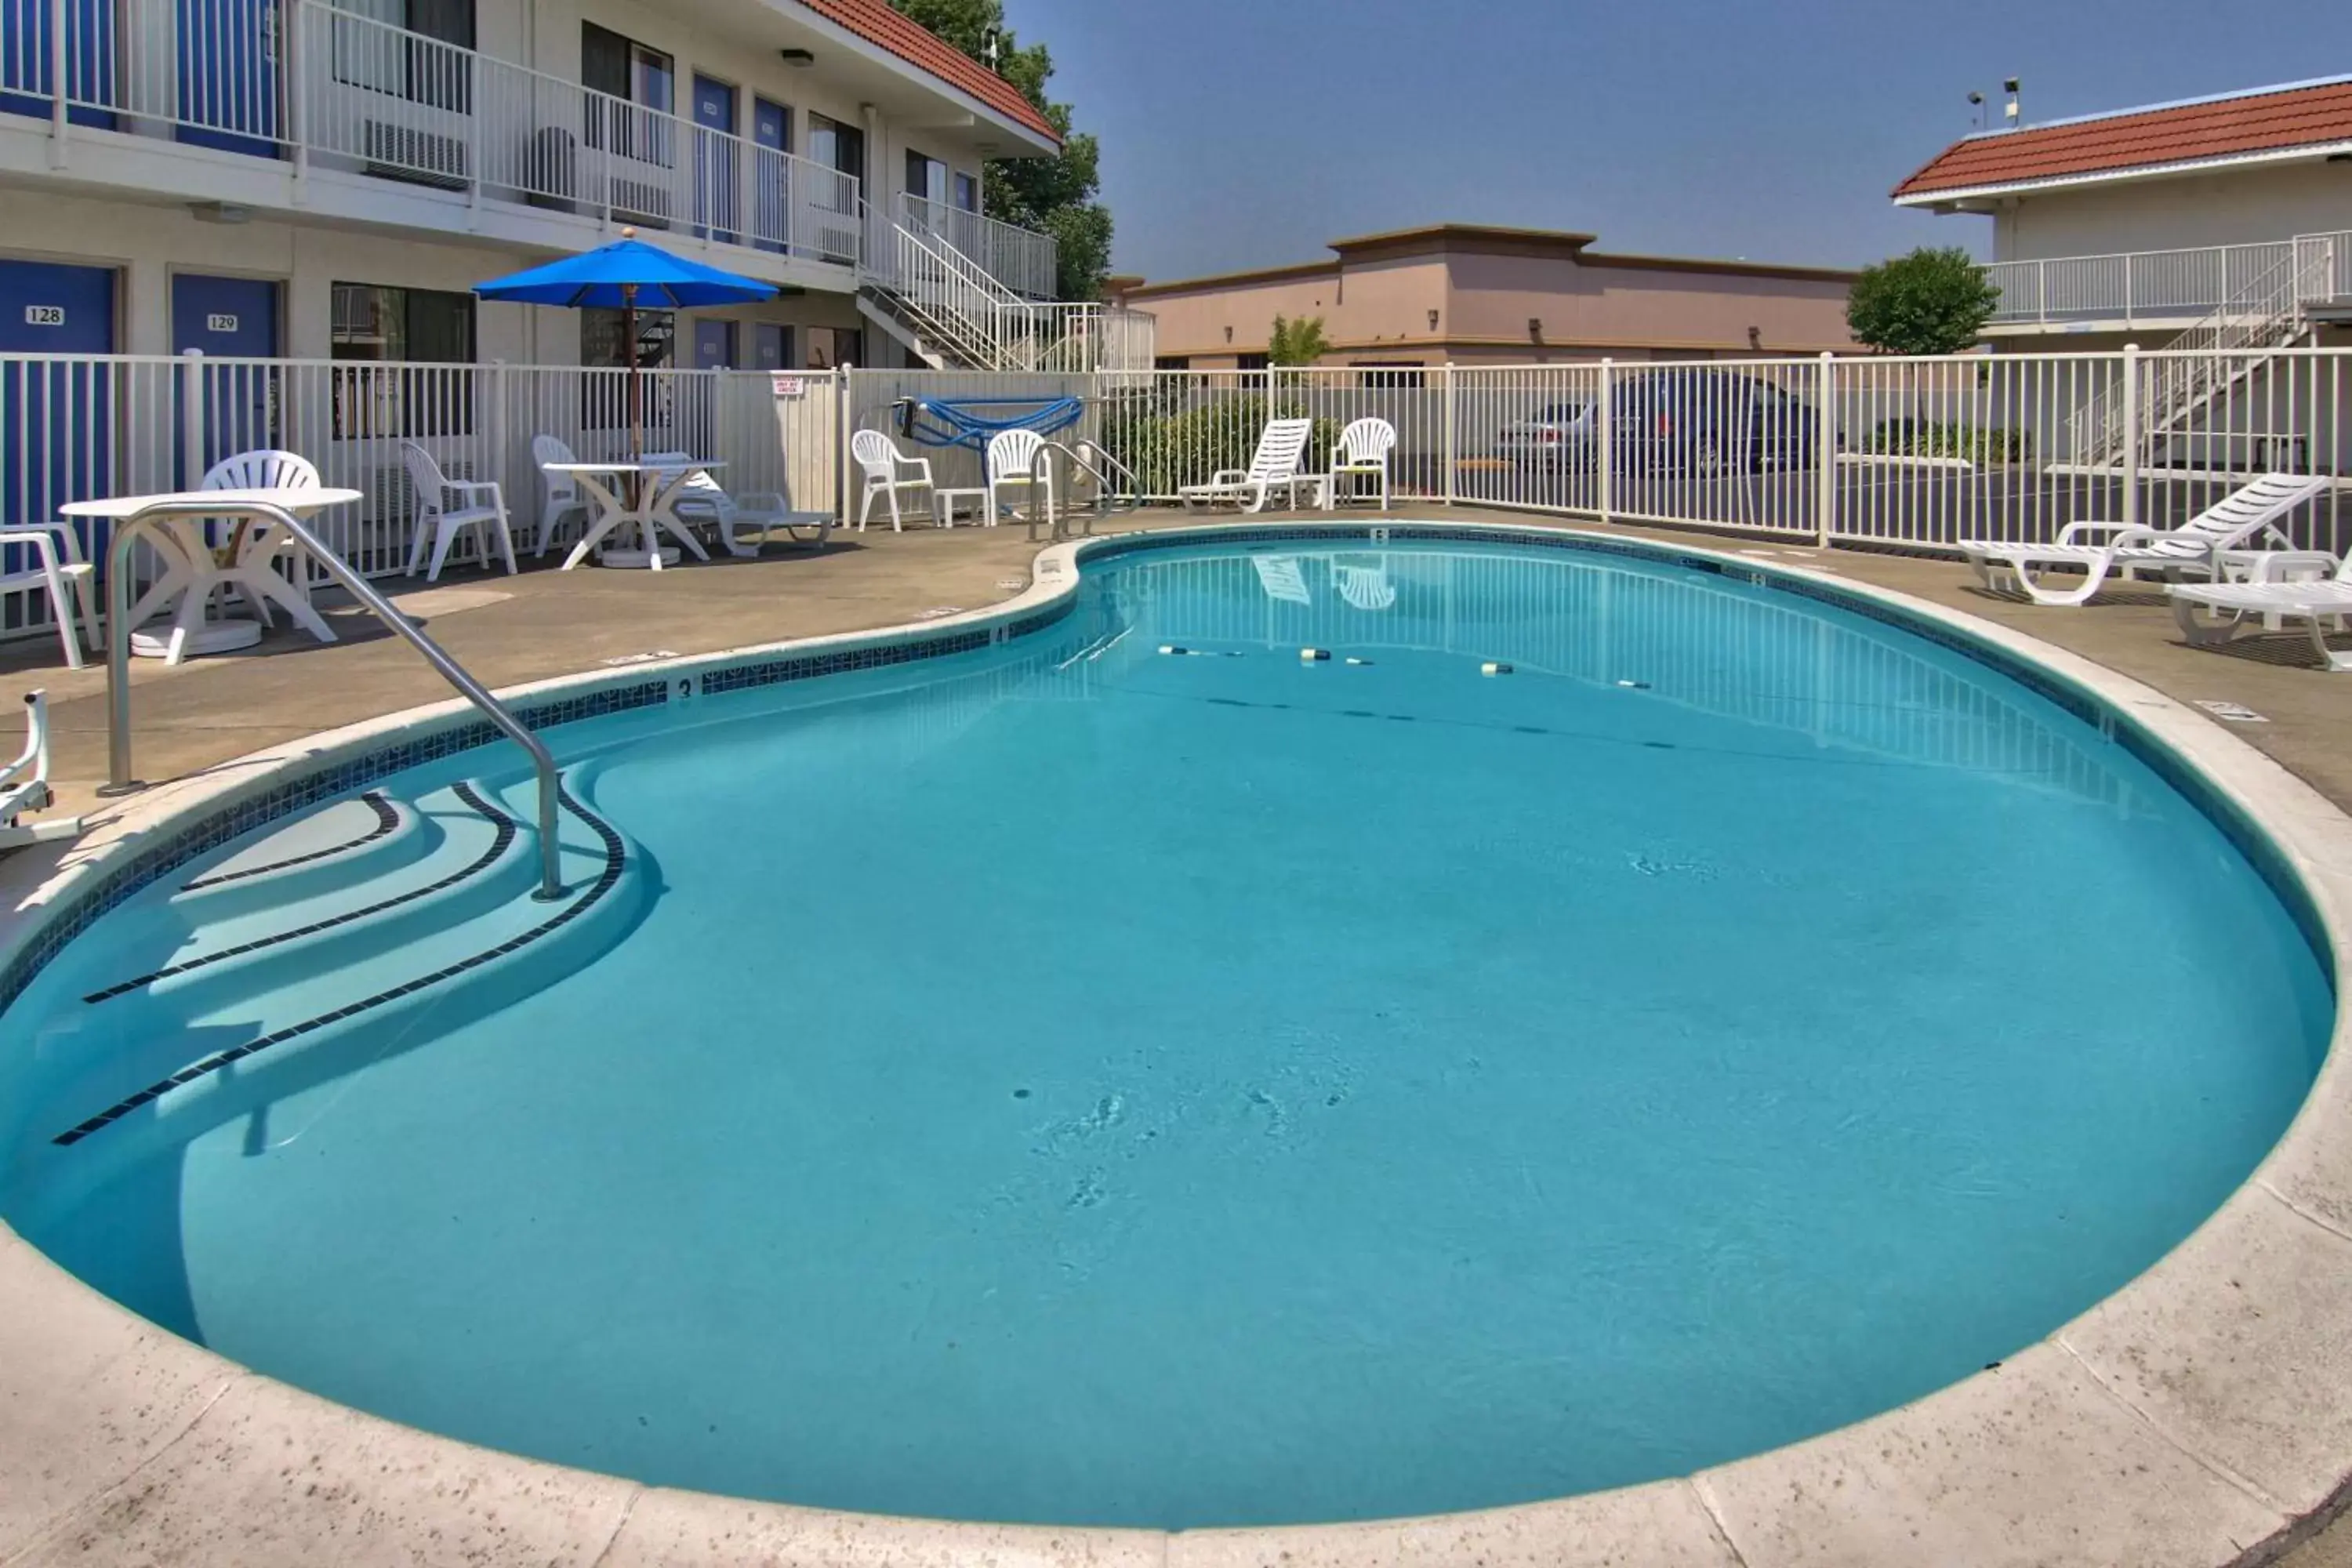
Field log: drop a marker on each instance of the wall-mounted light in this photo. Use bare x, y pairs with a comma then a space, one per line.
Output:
799, 60
1432, 320
220, 212
1535, 329
1756, 340
1229, 335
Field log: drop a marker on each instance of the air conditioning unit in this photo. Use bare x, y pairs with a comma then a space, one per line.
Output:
406, 152
641, 201
838, 244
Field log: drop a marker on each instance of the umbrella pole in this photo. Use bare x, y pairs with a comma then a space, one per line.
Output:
629, 334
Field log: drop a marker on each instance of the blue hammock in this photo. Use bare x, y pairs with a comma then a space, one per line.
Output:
973, 422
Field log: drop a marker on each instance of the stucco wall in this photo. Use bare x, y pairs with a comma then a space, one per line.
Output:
2237, 207
1483, 304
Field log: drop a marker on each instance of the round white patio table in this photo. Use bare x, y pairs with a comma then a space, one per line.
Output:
655, 487
194, 572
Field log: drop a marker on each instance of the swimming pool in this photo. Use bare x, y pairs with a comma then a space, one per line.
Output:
1068, 1080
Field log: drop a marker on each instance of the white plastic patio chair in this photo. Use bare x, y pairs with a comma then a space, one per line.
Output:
1281, 449
1012, 465
269, 468
2311, 586
558, 494
446, 508
1363, 582
2196, 547
701, 501
1362, 453
55, 565
878, 457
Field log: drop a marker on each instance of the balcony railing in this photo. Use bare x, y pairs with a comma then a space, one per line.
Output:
326, 88
1021, 260
2131, 287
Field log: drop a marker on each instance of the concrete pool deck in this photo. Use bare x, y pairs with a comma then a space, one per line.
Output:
2194, 1418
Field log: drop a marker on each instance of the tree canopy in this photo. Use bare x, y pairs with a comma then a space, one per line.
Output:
1298, 343
1055, 195
1929, 302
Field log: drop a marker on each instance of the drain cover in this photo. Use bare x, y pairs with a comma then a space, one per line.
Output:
2233, 713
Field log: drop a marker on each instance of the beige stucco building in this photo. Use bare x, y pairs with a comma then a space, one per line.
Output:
1471, 295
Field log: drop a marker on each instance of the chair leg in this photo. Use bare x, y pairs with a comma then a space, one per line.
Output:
417, 542
443, 536
865, 508
898, 525
61, 604
506, 545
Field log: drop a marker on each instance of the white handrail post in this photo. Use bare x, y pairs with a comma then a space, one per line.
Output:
2131, 435
496, 424
192, 412
1451, 455
1603, 444
57, 62
291, 70
1825, 494
843, 463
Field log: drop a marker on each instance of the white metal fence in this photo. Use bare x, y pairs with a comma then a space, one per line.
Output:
1909, 453
2160, 285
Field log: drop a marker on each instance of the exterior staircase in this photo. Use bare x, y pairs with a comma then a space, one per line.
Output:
951, 313
2207, 362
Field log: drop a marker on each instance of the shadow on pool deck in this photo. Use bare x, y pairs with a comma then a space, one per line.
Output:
543, 623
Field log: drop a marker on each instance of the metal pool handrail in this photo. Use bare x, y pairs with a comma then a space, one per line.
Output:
118, 657
1040, 469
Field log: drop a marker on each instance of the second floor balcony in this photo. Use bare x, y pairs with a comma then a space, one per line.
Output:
2169, 289
416, 131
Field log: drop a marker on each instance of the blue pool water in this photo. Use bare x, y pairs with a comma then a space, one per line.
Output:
1070, 1081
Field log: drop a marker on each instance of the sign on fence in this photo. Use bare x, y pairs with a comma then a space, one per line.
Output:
789, 385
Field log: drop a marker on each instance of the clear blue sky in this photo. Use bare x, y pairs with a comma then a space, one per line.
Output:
1249, 132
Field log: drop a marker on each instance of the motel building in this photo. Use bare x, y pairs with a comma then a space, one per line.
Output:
1474, 294
325, 179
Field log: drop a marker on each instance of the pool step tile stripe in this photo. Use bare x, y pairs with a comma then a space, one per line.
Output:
387, 822
616, 860
504, 830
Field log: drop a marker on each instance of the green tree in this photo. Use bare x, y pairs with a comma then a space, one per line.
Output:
1929, 302
1298, 343
1055, 195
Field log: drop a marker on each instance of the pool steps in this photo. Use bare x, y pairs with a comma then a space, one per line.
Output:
434, 915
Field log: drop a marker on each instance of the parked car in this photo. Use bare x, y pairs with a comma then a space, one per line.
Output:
1684, 419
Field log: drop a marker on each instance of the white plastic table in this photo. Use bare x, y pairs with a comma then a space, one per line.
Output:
950, 501
194, 572
657, 491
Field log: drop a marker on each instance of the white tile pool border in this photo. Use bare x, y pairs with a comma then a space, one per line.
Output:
2189, 1419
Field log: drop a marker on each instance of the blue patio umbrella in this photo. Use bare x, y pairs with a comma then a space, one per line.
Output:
622, 276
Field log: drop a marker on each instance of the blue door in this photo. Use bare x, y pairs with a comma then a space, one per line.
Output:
718, 173
27, 59
772, 189
772, 346
229, 75
230, 320
56, 421
714, 346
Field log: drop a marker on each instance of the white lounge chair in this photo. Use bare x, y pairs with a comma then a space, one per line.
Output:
702, 502
2196, 547
25, 784
559, 496
1281, 449
1012, 465
887, 472
1281, 578
56, 566
446, 508
1362, 453
2310, 586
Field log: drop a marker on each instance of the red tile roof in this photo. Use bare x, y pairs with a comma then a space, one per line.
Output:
877, 23
2263, 121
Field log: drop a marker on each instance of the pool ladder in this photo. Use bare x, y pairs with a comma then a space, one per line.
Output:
1097, 464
